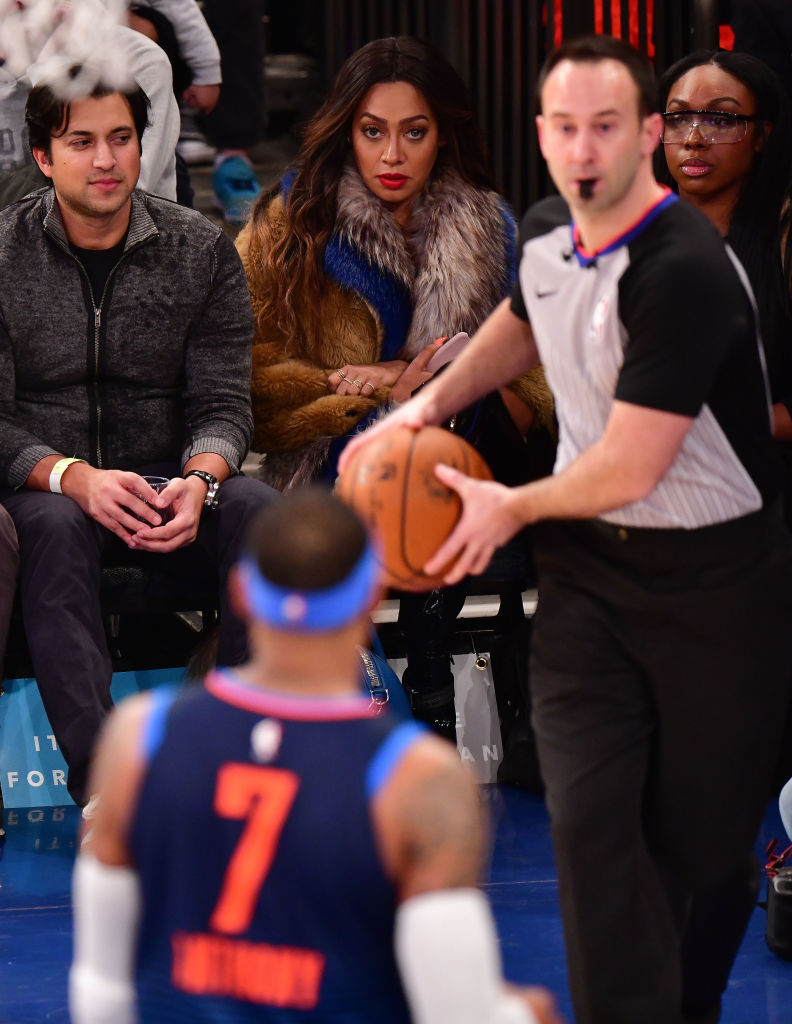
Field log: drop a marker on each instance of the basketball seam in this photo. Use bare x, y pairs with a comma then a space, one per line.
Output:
403, 524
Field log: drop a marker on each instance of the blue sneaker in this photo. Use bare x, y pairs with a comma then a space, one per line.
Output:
235, 188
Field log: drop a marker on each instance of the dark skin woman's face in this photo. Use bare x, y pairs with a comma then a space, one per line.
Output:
395, 139
705, 170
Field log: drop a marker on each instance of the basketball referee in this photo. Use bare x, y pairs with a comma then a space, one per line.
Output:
661, 661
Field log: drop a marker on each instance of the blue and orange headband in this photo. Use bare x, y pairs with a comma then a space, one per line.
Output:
311, 610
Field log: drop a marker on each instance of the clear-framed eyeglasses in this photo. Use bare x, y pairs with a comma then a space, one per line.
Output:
713, 126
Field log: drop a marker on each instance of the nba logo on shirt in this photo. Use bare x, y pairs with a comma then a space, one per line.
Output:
598, 318
265, 740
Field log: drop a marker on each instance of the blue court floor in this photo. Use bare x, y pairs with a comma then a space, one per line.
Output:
35, 916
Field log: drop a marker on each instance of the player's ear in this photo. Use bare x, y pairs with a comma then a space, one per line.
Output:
237, 595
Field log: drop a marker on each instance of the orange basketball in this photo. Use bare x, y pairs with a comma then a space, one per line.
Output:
392, 486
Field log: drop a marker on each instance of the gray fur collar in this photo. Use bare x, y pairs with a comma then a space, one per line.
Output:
454, 260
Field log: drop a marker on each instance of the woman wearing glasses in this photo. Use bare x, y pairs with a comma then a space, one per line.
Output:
727, 144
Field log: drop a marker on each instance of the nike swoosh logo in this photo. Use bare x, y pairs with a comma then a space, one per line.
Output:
543, 293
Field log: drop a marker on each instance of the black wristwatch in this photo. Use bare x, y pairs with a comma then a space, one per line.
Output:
212, 486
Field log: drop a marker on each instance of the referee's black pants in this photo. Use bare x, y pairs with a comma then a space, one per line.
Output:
661, 670
62, 554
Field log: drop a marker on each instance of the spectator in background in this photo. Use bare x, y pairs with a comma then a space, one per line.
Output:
190, 46
736, 170
162, 387
727, 150
179, 28
238, 121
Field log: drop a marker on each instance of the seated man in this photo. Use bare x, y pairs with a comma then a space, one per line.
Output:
125, 347
268, 882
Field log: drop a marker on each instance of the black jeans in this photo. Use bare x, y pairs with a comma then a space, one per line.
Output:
62, 553
660, 676
239, 119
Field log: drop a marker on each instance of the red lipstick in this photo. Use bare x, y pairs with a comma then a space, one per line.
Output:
392, 181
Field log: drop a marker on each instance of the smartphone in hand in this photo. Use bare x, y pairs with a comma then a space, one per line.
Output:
448, 350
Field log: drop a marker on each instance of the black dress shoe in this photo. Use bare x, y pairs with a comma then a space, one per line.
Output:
434, 707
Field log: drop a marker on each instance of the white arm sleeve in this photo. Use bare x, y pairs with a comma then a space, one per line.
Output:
197, 46
448, 956
152, 71
106, 915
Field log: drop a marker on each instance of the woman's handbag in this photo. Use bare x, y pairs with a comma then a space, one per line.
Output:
380, 681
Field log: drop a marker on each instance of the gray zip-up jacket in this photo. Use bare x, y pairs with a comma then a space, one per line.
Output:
157, 369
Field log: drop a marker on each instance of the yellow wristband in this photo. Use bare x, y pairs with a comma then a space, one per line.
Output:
58, 470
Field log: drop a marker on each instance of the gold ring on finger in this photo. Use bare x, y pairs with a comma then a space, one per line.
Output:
341, 373
368, 384
356, 380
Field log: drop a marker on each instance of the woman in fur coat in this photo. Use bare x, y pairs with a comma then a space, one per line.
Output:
386, 236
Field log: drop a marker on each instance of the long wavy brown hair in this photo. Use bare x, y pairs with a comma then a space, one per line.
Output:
293, 264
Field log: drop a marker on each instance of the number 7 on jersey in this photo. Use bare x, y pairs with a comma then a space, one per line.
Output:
264, 796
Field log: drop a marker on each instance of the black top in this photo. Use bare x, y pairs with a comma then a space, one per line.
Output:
98, 263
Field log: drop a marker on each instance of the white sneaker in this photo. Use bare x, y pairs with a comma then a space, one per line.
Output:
193, 146
196, 150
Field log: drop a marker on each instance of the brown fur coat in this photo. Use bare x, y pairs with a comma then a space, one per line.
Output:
455, 270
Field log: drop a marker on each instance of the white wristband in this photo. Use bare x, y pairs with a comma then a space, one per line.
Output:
58, 470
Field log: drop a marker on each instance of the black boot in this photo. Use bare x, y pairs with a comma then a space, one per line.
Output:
435, 707
427, 623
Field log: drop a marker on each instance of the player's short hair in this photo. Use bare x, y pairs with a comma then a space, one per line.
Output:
593, 49
47, 115
309, 540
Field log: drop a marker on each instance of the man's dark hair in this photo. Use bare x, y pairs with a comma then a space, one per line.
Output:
592, 50
47, 116
308, 541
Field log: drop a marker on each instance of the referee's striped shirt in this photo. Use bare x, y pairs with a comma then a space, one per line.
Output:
661, 317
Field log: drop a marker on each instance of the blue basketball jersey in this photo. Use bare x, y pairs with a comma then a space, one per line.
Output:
263, 895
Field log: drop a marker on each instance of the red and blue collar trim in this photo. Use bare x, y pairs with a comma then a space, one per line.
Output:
586, 258
228, 687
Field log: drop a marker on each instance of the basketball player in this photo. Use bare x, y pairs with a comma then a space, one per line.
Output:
259, 840
661, 646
